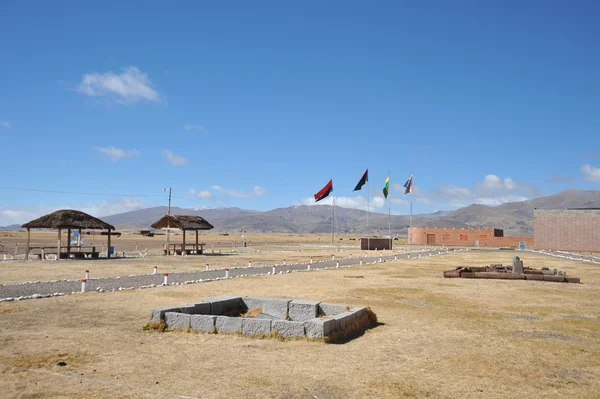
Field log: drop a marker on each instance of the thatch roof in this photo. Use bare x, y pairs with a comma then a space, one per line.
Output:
182, 222
68, 219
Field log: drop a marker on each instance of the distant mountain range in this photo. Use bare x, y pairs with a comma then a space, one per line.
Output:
516, 218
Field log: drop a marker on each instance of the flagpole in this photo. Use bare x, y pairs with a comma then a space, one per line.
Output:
333, 222
368, 225
389, 214
410, 225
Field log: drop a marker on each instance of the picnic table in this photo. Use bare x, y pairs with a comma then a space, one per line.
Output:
188, 249
79, 253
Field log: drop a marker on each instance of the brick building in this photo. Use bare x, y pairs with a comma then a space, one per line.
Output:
466, 236
567, 229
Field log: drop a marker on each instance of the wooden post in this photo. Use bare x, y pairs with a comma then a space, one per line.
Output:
183, 246
79, 240
68, 243
28, 241
108, 250
197, 250
58, 246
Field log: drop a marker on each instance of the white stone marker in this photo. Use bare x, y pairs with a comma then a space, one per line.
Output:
87, 274
155, 270
206, 267
226, 273
337, 264
249, 263
83, 285
166, 279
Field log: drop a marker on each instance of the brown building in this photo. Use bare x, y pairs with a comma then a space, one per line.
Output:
466, 236
567, 229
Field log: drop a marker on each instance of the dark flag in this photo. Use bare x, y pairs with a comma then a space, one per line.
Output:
325, 191
363, 180
408, 185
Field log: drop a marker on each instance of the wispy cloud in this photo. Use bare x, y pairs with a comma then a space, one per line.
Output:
200, 128
129, 87
492, 190
590, 173
174, 159
256, 191
5, 124
202, 194
116, 154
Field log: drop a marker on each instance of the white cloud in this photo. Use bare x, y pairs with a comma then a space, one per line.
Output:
116, 154
200, 128
129, 87
174, 159
256, 191
106, 208
492, 190
205, 195
5, 124
590, 173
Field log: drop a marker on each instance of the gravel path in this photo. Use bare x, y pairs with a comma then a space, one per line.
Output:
43, 289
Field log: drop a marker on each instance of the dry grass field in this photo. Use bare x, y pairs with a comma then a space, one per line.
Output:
438, 338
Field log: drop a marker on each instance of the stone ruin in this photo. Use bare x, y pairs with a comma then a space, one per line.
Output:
267, 316
516, 271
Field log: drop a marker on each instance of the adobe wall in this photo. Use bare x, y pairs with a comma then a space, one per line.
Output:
467, 237
567, 229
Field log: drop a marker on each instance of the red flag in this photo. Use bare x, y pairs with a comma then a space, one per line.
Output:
325, 191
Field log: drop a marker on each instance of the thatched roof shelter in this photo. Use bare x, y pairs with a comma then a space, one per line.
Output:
68, 219
182, 222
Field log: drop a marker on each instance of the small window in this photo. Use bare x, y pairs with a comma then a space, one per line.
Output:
498, 233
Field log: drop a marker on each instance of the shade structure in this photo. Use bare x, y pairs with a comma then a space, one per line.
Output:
184, 223
68, 219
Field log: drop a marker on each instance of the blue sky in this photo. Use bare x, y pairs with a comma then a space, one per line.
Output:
258, 105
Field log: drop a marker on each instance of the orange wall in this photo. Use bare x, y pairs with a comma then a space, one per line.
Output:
462, 236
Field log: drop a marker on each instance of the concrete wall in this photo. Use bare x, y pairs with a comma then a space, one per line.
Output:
567, 229
375, 243
465, 236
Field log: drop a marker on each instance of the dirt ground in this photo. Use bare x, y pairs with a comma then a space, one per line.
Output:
438, 338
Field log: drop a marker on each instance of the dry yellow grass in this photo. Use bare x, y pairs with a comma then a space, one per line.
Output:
438, 338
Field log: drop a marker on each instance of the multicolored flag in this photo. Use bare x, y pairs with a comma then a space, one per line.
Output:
386, 188
363, 180
408, 185
325, 191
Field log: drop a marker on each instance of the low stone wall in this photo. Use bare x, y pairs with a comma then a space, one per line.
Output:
287, 317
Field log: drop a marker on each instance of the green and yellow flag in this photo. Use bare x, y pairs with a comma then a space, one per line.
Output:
386, 188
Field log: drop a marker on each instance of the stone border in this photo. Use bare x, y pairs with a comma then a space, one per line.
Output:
288, 318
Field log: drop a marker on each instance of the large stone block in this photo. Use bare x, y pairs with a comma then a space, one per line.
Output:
203, 323
319, 328
158, 314
226, 324
189, 308
330, 309
202, 308
255, 326
220, 305
467, 275
492, 275
556, 279
537, 277
358, 310
303, 310
573, 280
177, 320
452, 273
512, 276
277, 308
342, 319
288, 329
